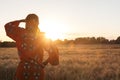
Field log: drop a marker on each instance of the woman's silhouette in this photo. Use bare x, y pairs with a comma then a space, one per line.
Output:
31, 44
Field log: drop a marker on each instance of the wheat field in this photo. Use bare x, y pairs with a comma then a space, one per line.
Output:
77, 62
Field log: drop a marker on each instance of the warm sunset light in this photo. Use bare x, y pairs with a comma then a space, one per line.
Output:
66, 20
54, 36
40, 39
54, 30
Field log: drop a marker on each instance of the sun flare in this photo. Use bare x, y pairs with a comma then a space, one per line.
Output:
54, 36
53, 30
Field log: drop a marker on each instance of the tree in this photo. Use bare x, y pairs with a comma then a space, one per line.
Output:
118, 40
102, 40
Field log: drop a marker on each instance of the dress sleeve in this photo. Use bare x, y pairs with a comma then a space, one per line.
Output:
53, 52
53, 55
12, 29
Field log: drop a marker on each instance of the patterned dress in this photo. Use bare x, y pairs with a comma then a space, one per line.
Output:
30, 51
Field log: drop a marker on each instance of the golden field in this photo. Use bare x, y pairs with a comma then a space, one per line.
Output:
77, 62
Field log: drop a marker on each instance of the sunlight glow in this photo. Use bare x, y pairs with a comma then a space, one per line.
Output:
53, 29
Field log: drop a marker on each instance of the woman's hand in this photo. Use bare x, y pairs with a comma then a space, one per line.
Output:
22, 20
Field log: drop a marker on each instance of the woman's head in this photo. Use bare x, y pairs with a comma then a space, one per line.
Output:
32, 22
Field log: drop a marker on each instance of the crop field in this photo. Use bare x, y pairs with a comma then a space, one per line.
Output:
77, 62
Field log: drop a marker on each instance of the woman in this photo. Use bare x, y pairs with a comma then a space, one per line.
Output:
31, 44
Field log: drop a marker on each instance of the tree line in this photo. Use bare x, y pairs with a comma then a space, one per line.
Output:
89, 40
80, 40
7, 44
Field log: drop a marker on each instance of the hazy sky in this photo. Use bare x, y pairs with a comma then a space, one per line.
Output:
71, 18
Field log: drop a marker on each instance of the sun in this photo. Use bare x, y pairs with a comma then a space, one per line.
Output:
54, 35
53, 29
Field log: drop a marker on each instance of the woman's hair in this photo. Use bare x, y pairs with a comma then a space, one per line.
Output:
36, 19
32, 17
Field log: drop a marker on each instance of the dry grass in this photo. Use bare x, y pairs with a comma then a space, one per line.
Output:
77, 62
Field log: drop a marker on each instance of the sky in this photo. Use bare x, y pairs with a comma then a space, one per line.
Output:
65, 18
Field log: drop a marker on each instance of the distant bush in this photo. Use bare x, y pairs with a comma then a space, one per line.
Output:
7, 44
